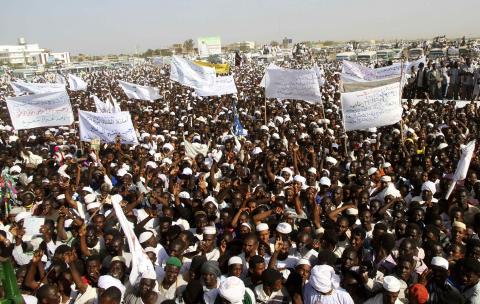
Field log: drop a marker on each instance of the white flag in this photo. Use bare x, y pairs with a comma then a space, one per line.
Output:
370, 108
141, 263
76, 83
22, 88
102, 107
60, 79
40, 110
462, 166
191, 75
223, 85
136, 91
107, 126
292, 84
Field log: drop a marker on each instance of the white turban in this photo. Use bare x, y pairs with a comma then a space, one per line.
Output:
323, 278
232, 289
430, 186
107, 281
391, 284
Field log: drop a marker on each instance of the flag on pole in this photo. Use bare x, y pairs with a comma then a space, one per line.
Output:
141, 264
462, 166
238, 129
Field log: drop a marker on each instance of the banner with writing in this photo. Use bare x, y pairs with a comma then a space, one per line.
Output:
22, 88
375, 107
40, 110
102, 107
354, 72
364, 85
107, 127
292, 84
190, 74
223, 85
137, 91
270, 66
220, 68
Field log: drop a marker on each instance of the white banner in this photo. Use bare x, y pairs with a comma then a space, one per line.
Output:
270, 66
320, 75
21, 88
76, 83
136, 91
353, 72
107, 126
223, 85
40, 110
191, 75
292, 84
375, 107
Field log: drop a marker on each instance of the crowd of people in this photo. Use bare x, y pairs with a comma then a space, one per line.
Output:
295, 210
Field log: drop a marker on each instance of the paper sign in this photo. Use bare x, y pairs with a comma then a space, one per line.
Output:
32, 225
106, 127
292, 84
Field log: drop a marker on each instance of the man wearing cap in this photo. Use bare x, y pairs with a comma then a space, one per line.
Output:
172, 285
439, 288
389, 295
233, 291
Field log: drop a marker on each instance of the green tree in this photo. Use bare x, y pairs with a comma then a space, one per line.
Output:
274, 43
188, 45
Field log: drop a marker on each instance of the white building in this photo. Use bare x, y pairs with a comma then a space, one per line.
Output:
22, 53
52, 58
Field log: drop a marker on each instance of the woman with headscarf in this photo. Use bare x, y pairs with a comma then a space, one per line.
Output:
210, 280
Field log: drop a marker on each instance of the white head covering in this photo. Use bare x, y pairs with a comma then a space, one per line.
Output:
325, 181
261, 227
284, 228
145, 236
209, 230
107, 281
235, 260
90, 198
391, 284
323, 278
232, 289
22, 215
440, 262
304, 262
93, 206
430, 186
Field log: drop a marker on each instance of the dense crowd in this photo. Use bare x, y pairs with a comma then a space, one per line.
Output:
294, 211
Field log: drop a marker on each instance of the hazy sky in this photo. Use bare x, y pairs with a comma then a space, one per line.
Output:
116, 26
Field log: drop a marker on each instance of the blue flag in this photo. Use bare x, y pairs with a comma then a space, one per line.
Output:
238, 129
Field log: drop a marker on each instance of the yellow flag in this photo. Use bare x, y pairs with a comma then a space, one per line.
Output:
220, 68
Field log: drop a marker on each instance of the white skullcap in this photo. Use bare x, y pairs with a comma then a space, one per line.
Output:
442, 146
321, 278
168, 146
167, 161
391, 284
119, 258
121, 172
145, 236
325, 181
284, 228
15, 169
430, 186
312, 170
280, 178
60, 197
184, 195
331, 160
210, 199
232, 289
22, 215
299, 179
93, 206
235, 260
209, 230
371, 171
261, 227
460, 225
304, 262
386, 165
440, 262
107, 281
90, 198
152, 164
386, 178
88, 189
246, 225
187, 171
288, 170
256, 150
352, 211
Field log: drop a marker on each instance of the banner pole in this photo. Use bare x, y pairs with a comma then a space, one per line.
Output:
400, 97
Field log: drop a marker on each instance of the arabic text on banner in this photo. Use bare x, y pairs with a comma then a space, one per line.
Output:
107, 126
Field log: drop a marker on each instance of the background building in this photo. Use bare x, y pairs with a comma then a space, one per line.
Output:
22, 53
